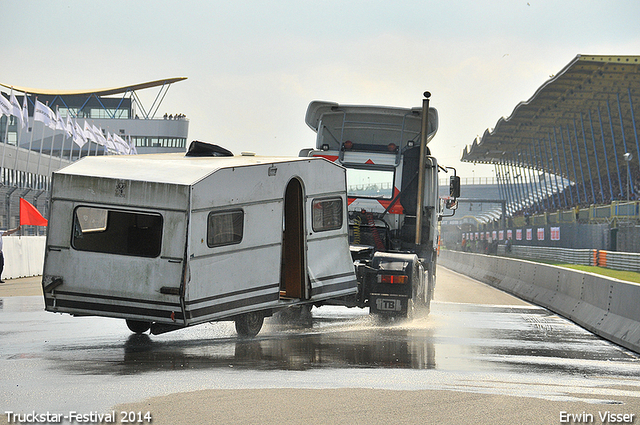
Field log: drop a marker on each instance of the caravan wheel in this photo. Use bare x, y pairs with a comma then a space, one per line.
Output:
249, 324
138, 326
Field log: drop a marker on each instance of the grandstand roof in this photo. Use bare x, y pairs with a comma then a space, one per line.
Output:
97, 92
588, 110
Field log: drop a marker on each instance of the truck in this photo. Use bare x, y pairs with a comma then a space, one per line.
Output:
393, 200
167, 241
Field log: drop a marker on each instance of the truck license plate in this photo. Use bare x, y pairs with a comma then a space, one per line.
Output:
388, 304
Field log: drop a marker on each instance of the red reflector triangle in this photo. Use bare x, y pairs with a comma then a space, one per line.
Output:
331, 158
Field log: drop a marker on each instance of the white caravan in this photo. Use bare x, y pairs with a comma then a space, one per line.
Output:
167, 241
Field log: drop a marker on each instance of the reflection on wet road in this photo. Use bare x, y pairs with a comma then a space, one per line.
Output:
455, 337
514, 350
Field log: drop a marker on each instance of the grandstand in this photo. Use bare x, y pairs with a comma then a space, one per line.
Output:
567, 160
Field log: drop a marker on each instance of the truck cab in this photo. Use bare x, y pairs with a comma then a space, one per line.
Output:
380, 149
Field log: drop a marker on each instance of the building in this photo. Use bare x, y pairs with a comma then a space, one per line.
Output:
32, 151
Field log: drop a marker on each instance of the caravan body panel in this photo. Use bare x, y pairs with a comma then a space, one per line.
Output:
114, 273
247, 274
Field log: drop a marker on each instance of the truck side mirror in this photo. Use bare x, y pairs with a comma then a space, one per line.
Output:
451, 204
454, 186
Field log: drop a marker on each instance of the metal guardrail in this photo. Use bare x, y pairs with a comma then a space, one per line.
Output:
563, 255
627, 261
619, 260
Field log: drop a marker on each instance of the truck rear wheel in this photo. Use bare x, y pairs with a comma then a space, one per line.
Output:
249, 324
138, 326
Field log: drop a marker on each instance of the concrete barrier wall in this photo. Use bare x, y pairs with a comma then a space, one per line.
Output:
605, 306
23, 256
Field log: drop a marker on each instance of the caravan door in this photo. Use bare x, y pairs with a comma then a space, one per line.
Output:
293, 276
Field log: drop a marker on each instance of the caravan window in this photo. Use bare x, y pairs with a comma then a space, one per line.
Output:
225, 228
117, 232
327, 214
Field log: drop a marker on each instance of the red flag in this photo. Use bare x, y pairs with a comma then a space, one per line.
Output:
29, 215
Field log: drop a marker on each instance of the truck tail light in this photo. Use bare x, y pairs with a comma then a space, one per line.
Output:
392, 278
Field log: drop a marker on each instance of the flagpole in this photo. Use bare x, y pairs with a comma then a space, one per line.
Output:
63, 143
53, 140
30, 143
88, 143
25, 115
4, 149
51, 149
97, 144
6, 135
65, 136
70, 133
97, 139
75, 133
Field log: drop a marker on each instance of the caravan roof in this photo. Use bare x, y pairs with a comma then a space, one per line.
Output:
172, 168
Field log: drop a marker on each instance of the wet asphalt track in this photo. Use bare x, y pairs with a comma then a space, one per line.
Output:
476, 340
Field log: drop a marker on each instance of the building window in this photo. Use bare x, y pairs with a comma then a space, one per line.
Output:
163, 142
108, 113
225, 228
117, 232
326, 214
64, 112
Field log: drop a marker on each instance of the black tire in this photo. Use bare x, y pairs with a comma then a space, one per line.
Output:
249, 324
138, 326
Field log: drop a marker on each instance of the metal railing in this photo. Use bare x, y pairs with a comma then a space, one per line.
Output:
561, 255
627, 261
618, 260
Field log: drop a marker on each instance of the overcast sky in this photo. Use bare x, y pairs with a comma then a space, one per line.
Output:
254, 66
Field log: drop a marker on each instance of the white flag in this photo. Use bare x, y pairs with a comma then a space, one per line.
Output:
53, 120
111, 143
108, 142
68, 127
78, 135
16, 110
100, 139
25, 111
60, 125
42, 113
5, 106
132, 147
88, 133
121, 145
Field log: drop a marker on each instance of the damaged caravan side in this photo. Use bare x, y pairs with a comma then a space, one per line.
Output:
167, 241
